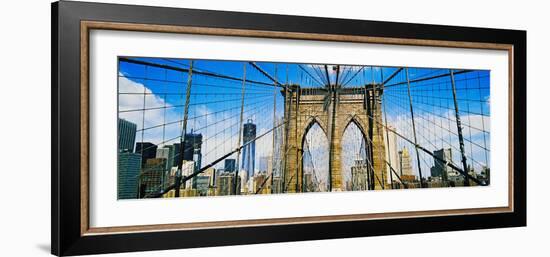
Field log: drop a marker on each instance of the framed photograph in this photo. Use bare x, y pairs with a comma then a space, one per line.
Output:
178, 128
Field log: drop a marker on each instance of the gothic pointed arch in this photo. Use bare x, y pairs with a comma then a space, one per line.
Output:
314, 158
354, 156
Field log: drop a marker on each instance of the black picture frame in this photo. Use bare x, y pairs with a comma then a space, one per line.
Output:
66, 235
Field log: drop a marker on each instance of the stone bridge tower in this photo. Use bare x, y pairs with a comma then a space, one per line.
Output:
306, 106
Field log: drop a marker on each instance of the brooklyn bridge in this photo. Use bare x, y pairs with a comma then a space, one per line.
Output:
211, 128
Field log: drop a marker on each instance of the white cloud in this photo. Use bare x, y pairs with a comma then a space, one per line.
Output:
435, 132
150, 118
217, 138
438, 125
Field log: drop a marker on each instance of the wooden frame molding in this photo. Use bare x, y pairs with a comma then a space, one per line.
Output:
86, 26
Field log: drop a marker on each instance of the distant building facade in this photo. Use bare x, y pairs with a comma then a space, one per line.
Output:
243, 178
260, 184
230, 165
192, 149
147, 150
405, 163
188, 168
359, 176
249, 150
392, 155
211, 173
440, 168
126, 135
167, 152
151, 179
129, 165
266, 164
277, 185
308, 182
225, 184
202, 184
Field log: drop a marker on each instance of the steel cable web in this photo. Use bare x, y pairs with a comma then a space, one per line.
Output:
427, 121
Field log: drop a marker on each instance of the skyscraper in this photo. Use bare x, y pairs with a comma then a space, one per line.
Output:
167, 152
129, 165
359, 175
405, 163
249, 151
486, 173
202, 183
265, 164
225, 184
440, 169
188, 168
146, 150
229, 165
192, 149
392, 154
211, 172
243, 178
176, 154
126, 135
151, 179
308, 182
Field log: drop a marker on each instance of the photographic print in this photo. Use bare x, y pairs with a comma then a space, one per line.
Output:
205, 128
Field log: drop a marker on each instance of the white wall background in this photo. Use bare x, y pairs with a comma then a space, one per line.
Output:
25, 127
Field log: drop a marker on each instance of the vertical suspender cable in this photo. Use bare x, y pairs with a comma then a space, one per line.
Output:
414, 127
184, 129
